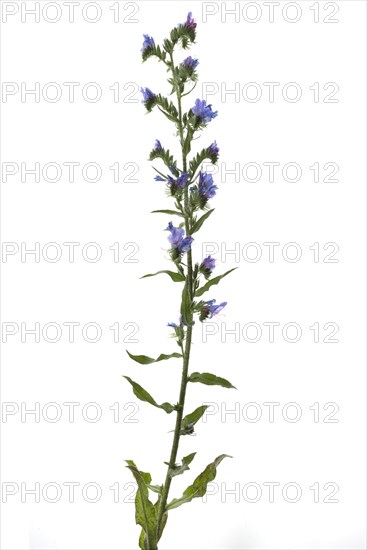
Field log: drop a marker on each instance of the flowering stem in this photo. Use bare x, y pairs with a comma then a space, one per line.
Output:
186, 351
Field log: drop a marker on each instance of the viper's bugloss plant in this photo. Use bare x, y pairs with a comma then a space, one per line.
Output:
191, 188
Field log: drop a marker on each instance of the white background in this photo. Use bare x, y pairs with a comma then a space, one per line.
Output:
106, 292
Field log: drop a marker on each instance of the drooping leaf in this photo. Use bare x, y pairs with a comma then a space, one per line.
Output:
145, 512
210, 379
143, 395
212, 282
145, 360
193, 417
199, 487
171, 212
181, 468
176, 277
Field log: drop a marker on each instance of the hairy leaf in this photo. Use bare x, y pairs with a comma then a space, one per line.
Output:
212, 282
181, 468
143, 395
199, 487
193, 417
176, 277
210, 379
171, 212
144, 360
145, 512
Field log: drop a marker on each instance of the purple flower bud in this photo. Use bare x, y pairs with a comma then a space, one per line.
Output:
208, 263
203, 111
148, 43
157, 146
190, 22
190, 63
147, 94
159, 178
213, 149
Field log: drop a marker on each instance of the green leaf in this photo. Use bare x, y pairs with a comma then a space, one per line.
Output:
212, 282
181, 468
186, 306
144, 360
171, 212
143, 395
210, 380
200, 222
145, 512
156, 488
193, 417
176, 277
199, 487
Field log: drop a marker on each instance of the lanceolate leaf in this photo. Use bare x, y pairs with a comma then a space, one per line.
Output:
144, 360
186, 306
212, 282
210, 379
145, 512
181, 468
199, 487
193, 417
197, 225
171, 212
143, 395
176, 277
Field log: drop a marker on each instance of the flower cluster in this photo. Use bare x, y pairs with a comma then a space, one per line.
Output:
202, 112
179, 244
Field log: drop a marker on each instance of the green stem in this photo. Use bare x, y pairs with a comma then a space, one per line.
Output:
186, 354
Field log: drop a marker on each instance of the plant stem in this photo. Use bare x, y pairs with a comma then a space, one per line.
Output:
186, 354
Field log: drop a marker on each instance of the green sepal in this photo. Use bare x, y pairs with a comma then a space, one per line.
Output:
210, 380
199, 487
194, 417
198, 223
176, 277
143, 395
145, 512
212, 282
145, 360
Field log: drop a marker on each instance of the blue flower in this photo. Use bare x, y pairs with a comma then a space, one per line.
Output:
147, 94
190, 63
148, 43
206, 267
206, 187
157, 146
180, 244
208, 263
213, 148
208, 309
190, 22
174, 325
203, 111
159, 178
